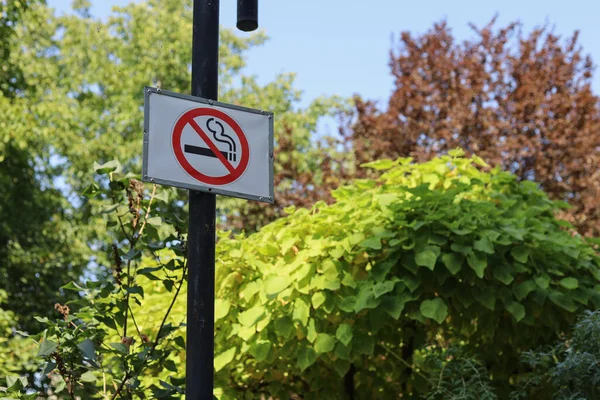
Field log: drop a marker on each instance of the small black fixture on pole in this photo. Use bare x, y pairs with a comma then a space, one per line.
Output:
247, 15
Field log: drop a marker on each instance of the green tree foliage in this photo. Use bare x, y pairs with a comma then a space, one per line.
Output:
15, 350
11, 12
429, 275
88, 77
38, 245
71, 92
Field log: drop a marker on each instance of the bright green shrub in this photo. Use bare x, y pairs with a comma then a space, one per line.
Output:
427, 256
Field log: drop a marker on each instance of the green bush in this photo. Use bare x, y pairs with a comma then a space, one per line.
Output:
426, 257
429, 281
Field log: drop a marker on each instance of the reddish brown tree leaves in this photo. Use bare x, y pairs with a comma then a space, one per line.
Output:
520, 101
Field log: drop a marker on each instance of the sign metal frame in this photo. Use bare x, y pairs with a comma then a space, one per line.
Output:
149, 91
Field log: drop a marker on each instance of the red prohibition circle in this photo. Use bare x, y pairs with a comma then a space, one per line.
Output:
188, 118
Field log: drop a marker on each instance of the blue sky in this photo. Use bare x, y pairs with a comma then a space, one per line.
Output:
342, 46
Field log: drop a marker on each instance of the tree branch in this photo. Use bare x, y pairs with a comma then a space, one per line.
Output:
139, 234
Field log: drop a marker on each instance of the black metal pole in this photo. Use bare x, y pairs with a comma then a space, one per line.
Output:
201, 235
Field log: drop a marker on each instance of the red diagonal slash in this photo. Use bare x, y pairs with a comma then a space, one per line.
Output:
211, 145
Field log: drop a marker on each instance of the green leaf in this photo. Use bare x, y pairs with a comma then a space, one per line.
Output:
543, 281
120, 347
521, 290
520, 253
458, 152
427, 257
435, 309
88, 349
453, 261
516, 309
221, 308
136, 290
301, 312
15, 382
379, 289
318, 299
411, 282
460, 248
269, 249
180, 341
88, 377
342, 351
148, 270
486, 297
502, 274
289, 209
155, 221
49, 367
311, 332
562, 204
107, 209
224, 358
372, 242
251, 316
47, 347
260, 350
43, 320
365, 298
91, 190
162, 195
479, 161
393, 305
306, 357
110, 166
356, 238
387, 199
60, 385
341, 367
284, 326
477, 262
72, 286
460, 232
348, 280
344, 334
484, 245
170, 365
347, 304
324, 343
133, 254
569, 283
563, 301
168, 284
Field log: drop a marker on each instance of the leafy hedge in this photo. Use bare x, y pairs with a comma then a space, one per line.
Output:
427, 256
430, 281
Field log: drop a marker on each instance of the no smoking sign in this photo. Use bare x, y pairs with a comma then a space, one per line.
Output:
210, 129
209, 146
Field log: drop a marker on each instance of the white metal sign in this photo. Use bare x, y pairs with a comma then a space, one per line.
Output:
201, 144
